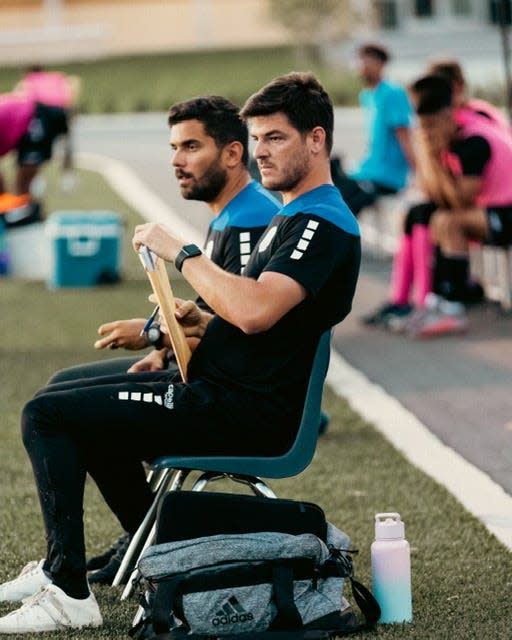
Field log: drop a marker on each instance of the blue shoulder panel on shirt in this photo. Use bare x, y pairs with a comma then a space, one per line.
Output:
325, 202
254, 206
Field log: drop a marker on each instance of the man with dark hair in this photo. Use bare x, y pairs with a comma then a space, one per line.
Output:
210, 154
247, 376
385, 166
464, 106
203, 129
478, 185
463, 169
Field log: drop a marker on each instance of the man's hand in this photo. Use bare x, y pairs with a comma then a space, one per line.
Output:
159, 239
123, 334
193, 319
154, 361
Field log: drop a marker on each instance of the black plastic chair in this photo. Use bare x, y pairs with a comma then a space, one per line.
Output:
170, 472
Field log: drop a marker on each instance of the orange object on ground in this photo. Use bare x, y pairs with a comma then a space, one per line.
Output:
9, 201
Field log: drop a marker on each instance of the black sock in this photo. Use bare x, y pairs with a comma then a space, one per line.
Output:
451, 276
73, 583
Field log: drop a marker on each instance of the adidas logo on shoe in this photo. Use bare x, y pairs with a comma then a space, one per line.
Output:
231, 613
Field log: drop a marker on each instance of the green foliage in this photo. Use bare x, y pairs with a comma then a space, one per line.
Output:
154, 82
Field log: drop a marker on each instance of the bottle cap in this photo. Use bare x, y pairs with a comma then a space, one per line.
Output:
389, 526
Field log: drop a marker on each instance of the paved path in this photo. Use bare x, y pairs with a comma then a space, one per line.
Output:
460, 388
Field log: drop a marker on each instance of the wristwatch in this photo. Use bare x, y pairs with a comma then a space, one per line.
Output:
188, 251
155, 336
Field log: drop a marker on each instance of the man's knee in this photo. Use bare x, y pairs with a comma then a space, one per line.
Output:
34, 416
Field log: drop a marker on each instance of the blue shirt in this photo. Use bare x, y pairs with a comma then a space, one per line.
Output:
386, 108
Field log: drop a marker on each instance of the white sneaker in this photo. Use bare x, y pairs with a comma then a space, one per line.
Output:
440, 317
30, 580
50, 609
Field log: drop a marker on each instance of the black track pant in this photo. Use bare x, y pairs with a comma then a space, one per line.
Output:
105, 427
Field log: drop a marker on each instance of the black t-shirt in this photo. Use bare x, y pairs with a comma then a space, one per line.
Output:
474, 153
233, 234
314, 240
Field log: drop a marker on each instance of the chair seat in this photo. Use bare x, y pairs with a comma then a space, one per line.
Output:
295, 460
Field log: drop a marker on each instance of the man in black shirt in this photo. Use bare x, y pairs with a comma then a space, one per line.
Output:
247, 377
210, 157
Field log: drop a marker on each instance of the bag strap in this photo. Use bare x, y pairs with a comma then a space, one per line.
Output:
163, 599
288, 616
366, 602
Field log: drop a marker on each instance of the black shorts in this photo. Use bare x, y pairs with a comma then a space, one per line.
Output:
499, 220
47, 124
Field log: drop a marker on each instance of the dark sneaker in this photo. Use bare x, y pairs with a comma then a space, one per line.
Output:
106, 574
323, 423
382, 315
98, 562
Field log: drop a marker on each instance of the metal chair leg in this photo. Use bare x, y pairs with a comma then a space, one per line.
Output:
171, 480
255, 484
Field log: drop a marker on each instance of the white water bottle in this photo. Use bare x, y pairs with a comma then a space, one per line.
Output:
391, 569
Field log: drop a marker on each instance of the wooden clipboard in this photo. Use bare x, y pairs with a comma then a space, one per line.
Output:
157, 274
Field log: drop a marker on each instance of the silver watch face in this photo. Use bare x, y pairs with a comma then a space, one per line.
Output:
153, 333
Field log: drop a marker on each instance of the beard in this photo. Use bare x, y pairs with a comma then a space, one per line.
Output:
208, 186
291, 176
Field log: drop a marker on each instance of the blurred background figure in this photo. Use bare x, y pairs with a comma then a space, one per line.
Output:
29, 129
467, 107
55, 89
462, 168
385, 167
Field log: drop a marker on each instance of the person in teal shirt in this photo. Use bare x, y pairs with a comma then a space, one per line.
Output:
388, 115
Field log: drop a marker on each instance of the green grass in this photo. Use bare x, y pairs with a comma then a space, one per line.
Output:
461, 574
154, 82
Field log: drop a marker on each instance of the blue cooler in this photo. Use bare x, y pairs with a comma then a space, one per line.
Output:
4, 251
85, 248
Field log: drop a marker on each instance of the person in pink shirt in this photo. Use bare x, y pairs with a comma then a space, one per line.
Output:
467, 109
462, 167
28, 128
53, 88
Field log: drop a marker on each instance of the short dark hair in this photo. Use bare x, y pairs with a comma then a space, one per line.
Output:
431, 94
449, 69
374, 50
301, 98
220, 117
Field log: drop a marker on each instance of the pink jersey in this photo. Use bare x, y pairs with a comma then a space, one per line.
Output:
496, 188
16, 112
481, 109
48, 87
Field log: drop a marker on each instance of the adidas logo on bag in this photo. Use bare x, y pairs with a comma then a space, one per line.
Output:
231, 612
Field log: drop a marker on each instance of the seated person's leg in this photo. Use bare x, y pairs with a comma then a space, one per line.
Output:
357, 194
393, 313
110, 367
452, 230
36, 146
445, 312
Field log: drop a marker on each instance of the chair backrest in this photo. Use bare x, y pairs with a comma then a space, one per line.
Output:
296, 459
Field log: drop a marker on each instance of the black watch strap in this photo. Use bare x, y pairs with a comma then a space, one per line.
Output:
188, 251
